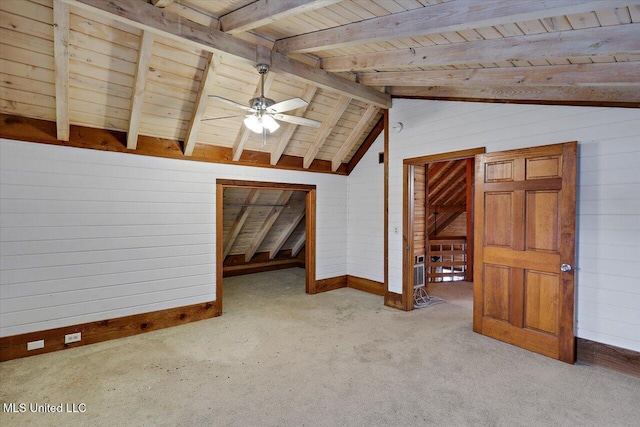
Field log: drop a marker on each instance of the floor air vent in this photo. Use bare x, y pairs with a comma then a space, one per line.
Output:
418, 275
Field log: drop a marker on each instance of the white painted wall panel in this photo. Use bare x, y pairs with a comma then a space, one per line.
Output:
365, 221
608, 192
88, 235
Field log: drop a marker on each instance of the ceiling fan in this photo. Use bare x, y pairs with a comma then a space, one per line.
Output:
264, 112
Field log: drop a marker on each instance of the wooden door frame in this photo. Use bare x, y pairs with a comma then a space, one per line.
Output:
408, 217
310, 227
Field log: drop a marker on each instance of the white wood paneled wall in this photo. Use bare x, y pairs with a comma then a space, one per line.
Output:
608, 281
88, 235
366, 216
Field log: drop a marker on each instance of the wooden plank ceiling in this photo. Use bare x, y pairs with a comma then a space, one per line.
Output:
270, 223
146, 68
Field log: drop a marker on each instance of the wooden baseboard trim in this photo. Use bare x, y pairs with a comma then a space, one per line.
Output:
393, 300
609, 357
330, 284
15, 346
366, 285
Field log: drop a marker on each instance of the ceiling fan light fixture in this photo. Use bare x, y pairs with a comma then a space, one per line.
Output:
270, 123
253, 123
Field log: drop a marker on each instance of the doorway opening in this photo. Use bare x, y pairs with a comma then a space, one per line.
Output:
438, 225
264, 226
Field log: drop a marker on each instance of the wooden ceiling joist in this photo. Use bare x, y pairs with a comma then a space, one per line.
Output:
298, 244
286, 232
147, 17
457, 15
606, 41
244, 133
325, 129
353, 137
269, 219
139, 86
264, 12
61, 53
241, 218
613, 73
290, 128
202, 101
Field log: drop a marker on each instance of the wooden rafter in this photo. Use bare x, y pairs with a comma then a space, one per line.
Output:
264, 12
609, 41
241, 218
448, 208
298, 244
161, 3
353, 137
442, 177
325, 129
290, 128
244, 133
286, 233
453, 183
447, 222
574, 95
61, 53
202, 101
269, 219
150, 18
617, 73
439, 18
137, 97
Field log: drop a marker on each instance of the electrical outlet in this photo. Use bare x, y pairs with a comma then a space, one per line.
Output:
69, 338
35, 345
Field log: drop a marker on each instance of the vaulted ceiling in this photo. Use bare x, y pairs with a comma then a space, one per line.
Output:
144, 70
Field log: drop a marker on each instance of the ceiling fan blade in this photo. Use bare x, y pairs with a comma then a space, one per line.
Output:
289, 104
220, 118
297, 120
230, 102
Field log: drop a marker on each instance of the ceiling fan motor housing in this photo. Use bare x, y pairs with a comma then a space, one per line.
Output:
261, 103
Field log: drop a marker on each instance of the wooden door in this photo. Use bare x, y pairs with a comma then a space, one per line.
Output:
525, 232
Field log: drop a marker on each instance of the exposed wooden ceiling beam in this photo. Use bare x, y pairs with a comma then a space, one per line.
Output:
325, 129
150, 18
298, 244
139, 85
264, 12
202, 101
290, 128
610, 41
244, 133
61, 57
613, 73
161, 3
447, 222
449, 208
238, 223
440, 18
270, 218
564, 95
353, 137
286, 233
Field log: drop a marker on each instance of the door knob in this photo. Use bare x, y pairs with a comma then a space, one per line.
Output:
565, 267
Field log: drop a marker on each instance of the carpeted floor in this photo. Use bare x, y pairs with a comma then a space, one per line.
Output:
279, 357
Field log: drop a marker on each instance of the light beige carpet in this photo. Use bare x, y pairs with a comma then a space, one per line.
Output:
279, 357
